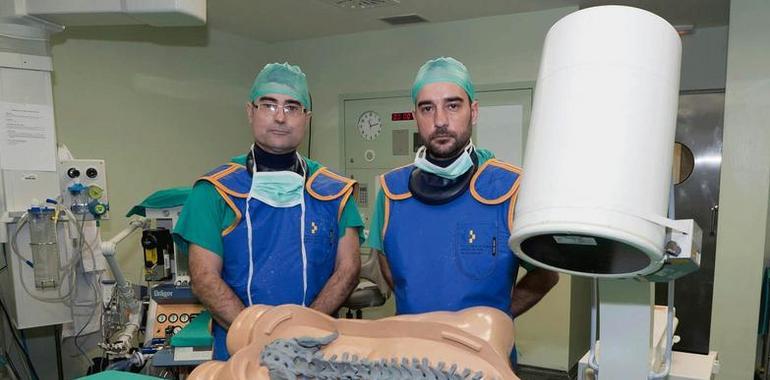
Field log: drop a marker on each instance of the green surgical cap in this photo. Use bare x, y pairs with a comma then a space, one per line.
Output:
166, 198
281, 78
443, 69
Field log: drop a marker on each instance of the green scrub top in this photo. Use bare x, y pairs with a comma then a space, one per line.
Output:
205, 215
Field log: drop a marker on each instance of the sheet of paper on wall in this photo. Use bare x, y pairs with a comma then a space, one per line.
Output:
27, 137
499, 129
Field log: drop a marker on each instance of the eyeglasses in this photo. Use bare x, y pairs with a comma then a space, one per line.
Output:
289, 109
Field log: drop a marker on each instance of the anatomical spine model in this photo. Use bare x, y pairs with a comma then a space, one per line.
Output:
293, 342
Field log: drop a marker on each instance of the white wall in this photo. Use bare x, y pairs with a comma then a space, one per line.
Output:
704, 59
743, 230
161, 106
495, 49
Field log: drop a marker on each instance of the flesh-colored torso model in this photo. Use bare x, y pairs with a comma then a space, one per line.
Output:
477, 339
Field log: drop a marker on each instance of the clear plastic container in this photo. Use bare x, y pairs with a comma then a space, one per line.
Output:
80, 203
45, 249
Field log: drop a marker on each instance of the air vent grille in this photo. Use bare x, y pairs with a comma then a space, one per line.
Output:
361, 4
404, 20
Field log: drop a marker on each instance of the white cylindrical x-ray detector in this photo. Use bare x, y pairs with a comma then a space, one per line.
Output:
597, 167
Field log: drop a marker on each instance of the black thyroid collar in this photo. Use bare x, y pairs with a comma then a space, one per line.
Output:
269, 162
431, 189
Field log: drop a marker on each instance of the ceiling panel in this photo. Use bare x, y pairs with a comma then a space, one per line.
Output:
275, 21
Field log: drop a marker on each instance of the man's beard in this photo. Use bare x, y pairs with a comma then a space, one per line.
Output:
442, 152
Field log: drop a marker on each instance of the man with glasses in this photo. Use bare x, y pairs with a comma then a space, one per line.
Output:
441, 225
271, 227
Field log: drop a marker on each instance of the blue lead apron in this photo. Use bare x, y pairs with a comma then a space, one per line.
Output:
276, 244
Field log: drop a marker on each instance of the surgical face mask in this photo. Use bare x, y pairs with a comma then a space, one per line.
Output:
278, 189
457, 168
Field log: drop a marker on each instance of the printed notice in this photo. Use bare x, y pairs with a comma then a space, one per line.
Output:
27, 138
575, 240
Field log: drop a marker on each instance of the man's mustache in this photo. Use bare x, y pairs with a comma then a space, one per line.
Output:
441, 134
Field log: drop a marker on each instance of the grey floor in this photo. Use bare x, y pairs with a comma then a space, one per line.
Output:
534, 373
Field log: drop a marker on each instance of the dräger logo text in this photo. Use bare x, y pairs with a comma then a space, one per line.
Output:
162, 293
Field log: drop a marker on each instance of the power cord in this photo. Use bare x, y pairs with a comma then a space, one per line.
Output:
28, 360
9, 364
95, 290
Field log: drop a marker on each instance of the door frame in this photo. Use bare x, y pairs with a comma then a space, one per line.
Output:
342, 98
